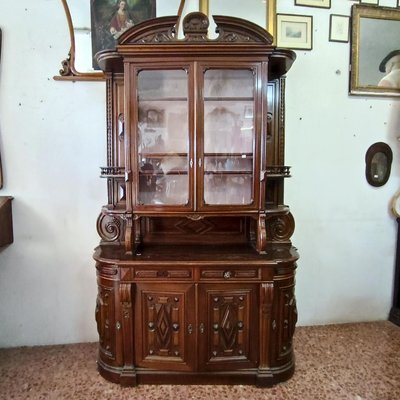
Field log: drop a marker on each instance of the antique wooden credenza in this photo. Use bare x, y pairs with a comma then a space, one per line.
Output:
195, 266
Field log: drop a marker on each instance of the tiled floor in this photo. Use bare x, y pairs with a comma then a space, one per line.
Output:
350, 361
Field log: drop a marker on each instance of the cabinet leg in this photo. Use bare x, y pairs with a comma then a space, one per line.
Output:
128, 376
264, 378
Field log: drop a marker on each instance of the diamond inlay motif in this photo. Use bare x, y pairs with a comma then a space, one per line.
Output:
198, 227
228, 325
163, 324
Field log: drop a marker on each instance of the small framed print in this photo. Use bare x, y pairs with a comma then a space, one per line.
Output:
314, 3
375, 2
339, 28
294, 31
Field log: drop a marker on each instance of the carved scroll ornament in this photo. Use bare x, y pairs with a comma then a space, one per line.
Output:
280, 228
110, 227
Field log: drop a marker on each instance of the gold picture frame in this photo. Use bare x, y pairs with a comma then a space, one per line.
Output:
270, 12
375, 51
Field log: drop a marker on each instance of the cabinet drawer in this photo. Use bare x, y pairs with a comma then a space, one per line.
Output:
230, 273
163, 273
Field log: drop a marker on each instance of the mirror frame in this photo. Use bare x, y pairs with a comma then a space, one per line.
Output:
374, 149
68, 72
359, 11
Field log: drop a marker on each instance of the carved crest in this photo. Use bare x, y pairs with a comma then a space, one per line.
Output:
195, 29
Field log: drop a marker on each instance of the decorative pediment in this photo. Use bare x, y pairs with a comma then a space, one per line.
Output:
158, 37
195, 29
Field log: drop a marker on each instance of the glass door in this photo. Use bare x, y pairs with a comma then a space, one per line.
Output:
228, 141
163, 138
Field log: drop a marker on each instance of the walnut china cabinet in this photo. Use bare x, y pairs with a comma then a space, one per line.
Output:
195, 266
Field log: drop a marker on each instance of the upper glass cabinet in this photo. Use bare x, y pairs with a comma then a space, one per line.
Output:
163, 137
198, 165
229, 137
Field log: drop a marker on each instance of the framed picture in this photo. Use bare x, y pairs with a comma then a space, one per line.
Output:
262, 12
294, 31
314, 3
111, 18
375, 2
339, 28
375, 51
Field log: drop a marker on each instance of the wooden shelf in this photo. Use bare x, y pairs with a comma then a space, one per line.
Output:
172, 99
228, 172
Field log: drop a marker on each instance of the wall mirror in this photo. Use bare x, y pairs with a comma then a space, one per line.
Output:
375, 51
378, 163
80, 19
84, 16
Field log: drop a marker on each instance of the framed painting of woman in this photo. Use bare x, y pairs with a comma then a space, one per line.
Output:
110, 18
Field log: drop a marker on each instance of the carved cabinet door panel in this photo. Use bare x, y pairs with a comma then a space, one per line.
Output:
228, 326
105, 318
164, 326
284, 320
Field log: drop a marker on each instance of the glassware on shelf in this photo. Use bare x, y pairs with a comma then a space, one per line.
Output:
163, 137
229, 136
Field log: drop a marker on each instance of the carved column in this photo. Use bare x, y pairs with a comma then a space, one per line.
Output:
128, 374
266, 300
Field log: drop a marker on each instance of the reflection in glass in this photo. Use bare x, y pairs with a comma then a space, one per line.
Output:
163, 137
228, 136
378, 37
379, 167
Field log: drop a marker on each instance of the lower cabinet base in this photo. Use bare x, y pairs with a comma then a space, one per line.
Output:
192, 317
135, 376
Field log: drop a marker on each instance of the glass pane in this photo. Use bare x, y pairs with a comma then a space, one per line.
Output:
228, 189
163, 138
228, 136
228, 83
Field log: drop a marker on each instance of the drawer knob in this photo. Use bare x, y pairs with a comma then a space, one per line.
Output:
175, 327
228, 274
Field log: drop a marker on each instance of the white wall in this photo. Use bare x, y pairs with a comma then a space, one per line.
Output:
52, 141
